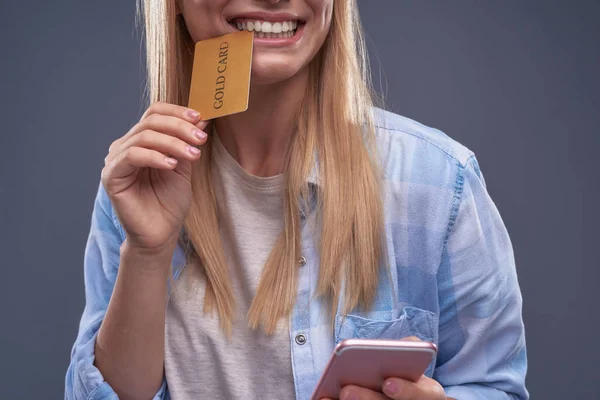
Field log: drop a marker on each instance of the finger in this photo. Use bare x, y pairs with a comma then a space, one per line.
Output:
411, 339
164, 109
134, 158
401, 389
194, 137
352, 392
174, 110
173, 126
165, 144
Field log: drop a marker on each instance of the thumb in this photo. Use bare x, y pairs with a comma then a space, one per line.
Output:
411, 339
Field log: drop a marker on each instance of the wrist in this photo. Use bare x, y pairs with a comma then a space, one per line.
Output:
156, 258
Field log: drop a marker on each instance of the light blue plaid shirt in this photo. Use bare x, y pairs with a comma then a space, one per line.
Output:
453, 277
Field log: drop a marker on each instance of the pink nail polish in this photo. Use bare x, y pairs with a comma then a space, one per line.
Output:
390, 387
199, 134
351, 396
193, 114
195, 151
171, 161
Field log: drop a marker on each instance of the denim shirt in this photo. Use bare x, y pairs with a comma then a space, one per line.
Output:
453, 278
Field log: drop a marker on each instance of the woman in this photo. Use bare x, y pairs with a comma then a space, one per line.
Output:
310, 218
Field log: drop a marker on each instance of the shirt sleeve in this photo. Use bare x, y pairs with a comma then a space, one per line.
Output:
101, 261
482, 351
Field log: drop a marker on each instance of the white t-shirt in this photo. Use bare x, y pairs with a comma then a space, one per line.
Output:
200, 363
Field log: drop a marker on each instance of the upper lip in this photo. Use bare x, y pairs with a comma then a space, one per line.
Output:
266, 16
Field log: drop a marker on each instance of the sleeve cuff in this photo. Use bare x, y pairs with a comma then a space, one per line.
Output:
105, 392
85, 381
477, 392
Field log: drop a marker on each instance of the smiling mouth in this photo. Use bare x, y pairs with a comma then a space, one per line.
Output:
267, 29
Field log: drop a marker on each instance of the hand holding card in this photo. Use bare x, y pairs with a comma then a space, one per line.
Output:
221, 75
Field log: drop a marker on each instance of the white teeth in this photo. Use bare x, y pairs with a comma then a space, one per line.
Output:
278, 29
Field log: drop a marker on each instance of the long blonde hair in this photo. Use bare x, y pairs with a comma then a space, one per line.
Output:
335, 123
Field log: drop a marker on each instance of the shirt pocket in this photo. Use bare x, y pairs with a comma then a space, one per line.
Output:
412, 322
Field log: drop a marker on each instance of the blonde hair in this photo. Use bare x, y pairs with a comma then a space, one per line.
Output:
335, 123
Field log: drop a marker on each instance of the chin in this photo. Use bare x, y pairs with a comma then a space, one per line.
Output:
273, 69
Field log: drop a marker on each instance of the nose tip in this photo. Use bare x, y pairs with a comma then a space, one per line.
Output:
272, 1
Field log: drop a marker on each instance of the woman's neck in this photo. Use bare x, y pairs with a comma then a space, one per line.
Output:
258, 138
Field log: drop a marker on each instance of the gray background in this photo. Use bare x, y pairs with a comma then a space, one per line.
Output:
516, 81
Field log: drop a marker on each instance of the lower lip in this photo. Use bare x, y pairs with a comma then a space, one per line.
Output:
280, 42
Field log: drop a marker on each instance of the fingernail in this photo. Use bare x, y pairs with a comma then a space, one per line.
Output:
195, 151
193, 114
171, 161
350, 395
199, 134
390, 387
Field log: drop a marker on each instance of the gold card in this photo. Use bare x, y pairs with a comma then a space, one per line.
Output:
221, 75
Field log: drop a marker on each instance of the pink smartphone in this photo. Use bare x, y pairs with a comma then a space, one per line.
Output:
368, 363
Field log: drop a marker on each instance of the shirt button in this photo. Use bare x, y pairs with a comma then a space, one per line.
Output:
300, 339
302, 261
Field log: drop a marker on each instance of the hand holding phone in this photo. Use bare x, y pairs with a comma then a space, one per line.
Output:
368, 363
